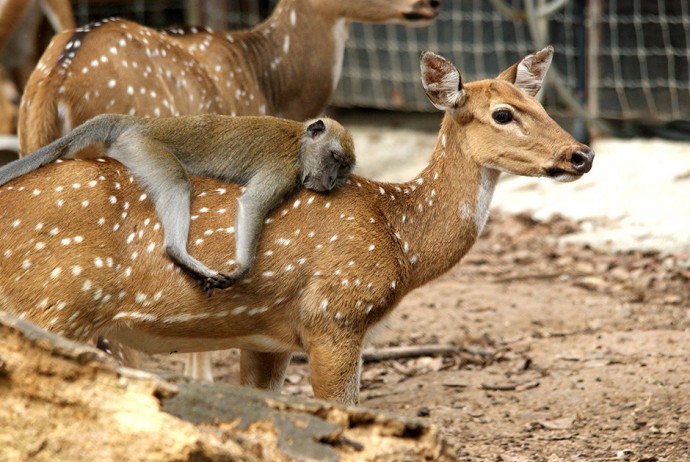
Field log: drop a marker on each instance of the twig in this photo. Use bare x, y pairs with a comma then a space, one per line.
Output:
499, 386
523, 277
372, 355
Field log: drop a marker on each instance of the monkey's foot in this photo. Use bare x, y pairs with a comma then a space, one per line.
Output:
222, 280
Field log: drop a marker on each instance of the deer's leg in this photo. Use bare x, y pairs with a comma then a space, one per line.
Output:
334, 365
263, 370
198, 366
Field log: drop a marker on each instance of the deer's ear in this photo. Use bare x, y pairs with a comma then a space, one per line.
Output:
442, 82
529, 73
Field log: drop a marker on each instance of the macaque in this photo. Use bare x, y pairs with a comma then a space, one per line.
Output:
271, 156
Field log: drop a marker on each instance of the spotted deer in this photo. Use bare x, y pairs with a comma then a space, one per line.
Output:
287, 66
329, 266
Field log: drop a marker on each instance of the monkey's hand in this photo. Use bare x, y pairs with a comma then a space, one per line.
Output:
224, 280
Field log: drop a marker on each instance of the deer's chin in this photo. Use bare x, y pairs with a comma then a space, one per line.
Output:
562, 175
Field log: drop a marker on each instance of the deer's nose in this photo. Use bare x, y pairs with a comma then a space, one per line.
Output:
582, 160
435, 4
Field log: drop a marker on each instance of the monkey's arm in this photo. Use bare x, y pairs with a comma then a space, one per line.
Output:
264, 192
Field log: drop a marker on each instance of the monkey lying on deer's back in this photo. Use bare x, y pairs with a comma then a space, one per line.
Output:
271, 156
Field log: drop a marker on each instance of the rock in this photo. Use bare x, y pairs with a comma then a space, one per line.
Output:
592, 283
66, 401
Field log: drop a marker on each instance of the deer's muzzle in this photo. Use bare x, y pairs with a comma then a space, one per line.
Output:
582, 161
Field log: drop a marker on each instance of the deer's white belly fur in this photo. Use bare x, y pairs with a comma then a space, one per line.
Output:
154, 344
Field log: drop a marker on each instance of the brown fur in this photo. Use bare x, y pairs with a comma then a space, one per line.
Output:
328, 267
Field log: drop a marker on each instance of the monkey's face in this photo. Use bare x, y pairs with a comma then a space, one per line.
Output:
328, 157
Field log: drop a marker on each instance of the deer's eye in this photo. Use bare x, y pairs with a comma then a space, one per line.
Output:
502, 116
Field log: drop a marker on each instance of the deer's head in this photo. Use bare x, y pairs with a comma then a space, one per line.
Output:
511, 131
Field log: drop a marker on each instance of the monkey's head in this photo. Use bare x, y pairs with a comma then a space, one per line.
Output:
328, 154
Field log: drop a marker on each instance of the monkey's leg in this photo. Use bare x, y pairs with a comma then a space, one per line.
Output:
166, 182
261, 196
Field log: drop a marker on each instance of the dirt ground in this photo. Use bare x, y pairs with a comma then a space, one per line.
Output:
564, 353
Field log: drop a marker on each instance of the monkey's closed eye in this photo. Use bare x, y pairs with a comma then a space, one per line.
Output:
337, 155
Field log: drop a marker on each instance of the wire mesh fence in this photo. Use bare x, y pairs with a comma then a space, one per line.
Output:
643, 60
381, 66
154, 13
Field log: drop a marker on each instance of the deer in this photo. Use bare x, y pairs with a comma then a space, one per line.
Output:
288, 67
329, 267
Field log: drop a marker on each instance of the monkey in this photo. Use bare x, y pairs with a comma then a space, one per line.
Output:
271, 156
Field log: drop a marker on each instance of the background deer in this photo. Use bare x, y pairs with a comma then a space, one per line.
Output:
328, 268
288, 66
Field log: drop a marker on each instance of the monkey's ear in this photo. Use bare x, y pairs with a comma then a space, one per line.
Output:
316, 128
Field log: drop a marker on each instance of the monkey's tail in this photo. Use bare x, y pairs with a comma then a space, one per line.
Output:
101, 129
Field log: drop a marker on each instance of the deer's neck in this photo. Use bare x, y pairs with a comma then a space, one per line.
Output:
438, 216
297, 58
